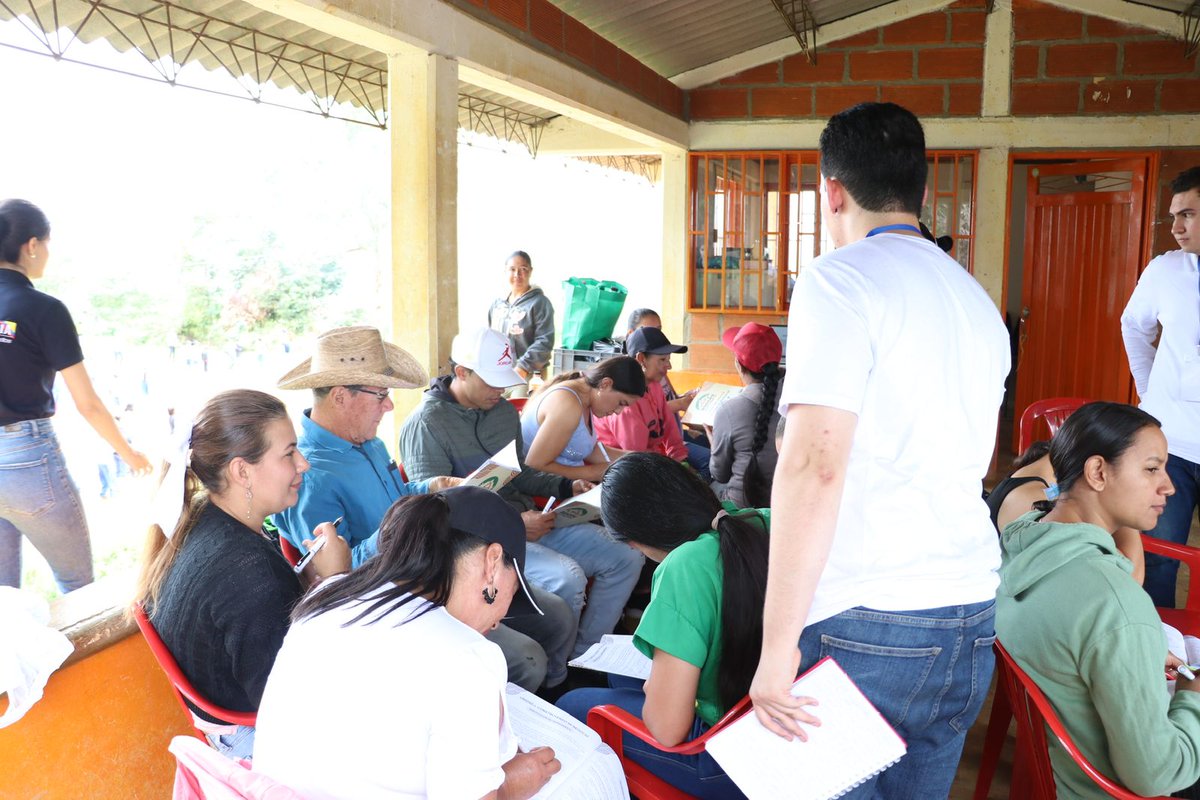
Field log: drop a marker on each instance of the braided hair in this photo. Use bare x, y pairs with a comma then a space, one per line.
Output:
755, 485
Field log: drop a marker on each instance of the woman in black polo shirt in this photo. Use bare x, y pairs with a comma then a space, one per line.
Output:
38, 498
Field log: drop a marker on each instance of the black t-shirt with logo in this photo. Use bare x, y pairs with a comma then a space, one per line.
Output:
37, 339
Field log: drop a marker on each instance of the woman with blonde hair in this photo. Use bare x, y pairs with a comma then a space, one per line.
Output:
218, 590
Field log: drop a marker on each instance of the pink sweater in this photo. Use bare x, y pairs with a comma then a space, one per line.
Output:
646, 425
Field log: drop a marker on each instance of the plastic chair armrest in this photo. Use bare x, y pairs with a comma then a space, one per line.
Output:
1179, 552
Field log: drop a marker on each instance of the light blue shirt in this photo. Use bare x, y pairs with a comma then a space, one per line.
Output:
356, 482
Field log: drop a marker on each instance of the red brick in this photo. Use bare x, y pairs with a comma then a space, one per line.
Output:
628, 73
1071, 60
1046, 22
968, 26
966, 99
832, 99
924, 100
1180, 95
1025, 60
671, 98
969, 4
480, 3
738, 320
607, 57
718, 103
511, 11
925, 29
1033, 99
1162, 57
579, 39
830, 66
763, 73
866, 38
1119, 97
887, 65
1098, 28
782, 101
648, 82
950, 62
546, 23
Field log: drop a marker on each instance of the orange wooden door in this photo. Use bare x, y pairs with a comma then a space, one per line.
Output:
1083, 244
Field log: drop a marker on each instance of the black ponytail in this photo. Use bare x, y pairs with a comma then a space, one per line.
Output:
658, 502
755, 485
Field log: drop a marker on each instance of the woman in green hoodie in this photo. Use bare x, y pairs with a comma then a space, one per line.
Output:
1073, 618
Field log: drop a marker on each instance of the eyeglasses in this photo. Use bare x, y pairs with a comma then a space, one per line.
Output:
380, 395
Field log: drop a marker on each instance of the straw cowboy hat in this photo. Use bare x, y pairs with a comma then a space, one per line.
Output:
356, 356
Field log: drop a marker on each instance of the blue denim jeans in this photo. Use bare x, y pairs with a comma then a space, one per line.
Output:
699, 775
926, 671
579, 552
38, 500
236, 745
1173, 526
698, 458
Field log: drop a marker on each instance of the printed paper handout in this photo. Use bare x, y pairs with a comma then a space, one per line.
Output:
703, 410
579, 509
497, 471
615, 654
852, 743
590, 769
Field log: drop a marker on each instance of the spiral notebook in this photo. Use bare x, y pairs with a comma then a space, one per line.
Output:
852, 744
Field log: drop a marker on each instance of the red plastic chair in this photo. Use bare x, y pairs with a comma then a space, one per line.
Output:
179, 682
1034, 713
611, 722
1186, 619
1053, 411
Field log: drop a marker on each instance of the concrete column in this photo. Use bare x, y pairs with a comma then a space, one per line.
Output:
672, 187
997, 62
991, 221
423, 122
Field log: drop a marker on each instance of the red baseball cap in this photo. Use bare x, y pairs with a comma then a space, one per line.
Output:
753, 345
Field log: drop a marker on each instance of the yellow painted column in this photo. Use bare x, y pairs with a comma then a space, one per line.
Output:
991, 220
672, 187
423, 122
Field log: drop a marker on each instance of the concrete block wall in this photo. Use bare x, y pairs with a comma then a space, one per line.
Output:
702, 333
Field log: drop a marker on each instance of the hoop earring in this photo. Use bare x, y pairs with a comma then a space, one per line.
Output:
489, 597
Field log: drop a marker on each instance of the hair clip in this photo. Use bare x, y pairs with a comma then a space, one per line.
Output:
1051, 491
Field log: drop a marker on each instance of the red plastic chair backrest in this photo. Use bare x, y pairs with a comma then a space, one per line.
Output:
1034, 714
1054, 411
289, 550
183, 687
611, 722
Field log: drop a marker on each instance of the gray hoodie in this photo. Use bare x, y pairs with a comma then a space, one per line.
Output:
528, 322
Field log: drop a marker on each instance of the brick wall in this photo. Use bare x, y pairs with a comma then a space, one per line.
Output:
931, 64
1070, 63
702, 334
539, 24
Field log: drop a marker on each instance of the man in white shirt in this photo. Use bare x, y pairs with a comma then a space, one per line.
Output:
882, 552
1167, 376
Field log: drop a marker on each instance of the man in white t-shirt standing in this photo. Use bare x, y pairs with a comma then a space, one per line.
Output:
882, 552
1167, 376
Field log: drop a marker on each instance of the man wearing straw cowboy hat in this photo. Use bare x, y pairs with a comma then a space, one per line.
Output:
352, 476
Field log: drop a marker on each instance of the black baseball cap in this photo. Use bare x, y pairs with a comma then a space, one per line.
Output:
652, 341
486, 516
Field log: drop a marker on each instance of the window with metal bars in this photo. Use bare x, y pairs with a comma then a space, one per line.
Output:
755, 223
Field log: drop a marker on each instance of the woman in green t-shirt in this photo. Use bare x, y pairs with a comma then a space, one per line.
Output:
703, 626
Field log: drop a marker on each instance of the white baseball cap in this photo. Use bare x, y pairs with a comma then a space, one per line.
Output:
487, 353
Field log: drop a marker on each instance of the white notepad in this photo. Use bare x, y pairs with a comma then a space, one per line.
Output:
852, 744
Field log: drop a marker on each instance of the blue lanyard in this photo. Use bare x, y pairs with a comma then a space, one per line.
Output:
898, 227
